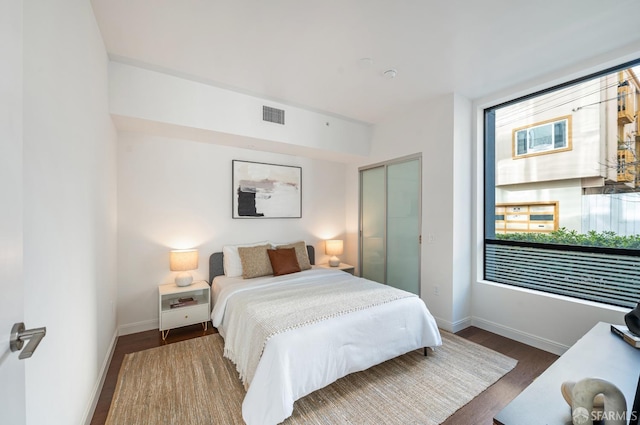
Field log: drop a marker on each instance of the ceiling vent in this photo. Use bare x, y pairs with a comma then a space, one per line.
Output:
273, 115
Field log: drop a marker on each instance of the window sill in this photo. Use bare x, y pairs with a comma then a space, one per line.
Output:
612, 308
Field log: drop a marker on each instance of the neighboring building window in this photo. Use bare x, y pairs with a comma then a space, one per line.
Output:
545, 137
626, 161
591, 248
535, 217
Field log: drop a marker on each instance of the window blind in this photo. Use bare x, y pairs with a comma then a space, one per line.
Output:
608, 278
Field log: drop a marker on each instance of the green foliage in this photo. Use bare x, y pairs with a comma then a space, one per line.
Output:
607, 239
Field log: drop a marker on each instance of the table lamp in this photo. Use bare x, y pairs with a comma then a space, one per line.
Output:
333, 247
182, 261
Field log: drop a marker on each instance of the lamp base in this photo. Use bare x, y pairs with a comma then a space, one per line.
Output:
334, 261
184, 279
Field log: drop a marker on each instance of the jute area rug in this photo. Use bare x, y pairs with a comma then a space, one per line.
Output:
190, 383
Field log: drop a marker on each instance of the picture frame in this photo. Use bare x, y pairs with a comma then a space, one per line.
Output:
263, 190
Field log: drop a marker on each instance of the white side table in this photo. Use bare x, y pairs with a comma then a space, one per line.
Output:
343, 266
183, 305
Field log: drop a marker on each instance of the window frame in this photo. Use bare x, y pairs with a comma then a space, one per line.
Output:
488, 165
551, 122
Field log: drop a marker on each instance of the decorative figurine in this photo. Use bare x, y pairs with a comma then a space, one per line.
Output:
632, 319
595, 399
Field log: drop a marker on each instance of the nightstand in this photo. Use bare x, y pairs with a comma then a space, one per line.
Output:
343, 266
183, 305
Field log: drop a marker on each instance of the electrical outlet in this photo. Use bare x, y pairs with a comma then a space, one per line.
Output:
431, 238
436, 290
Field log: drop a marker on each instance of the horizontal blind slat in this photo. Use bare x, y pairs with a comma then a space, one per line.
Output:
605, 278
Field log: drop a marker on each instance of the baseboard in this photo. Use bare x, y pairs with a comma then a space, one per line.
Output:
97, 389
462, 324
453, 327
132, 328
444, 324
523, 337
122, 330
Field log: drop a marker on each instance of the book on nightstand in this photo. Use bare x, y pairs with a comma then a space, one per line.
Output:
624, 333
182, 302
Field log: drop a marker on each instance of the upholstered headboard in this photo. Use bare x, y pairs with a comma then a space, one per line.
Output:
216, 268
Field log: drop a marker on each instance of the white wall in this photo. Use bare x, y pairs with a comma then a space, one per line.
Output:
431, 128
12, 372
69, 209
149, 100
549, 322
175, 193
462, 195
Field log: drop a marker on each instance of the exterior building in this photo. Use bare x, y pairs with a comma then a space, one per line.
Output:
569, 159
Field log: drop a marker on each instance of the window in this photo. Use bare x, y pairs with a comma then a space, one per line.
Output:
545, 137
566, 146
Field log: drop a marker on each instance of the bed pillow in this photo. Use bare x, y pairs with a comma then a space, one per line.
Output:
301, 253
255, 261
231, 259
283, 261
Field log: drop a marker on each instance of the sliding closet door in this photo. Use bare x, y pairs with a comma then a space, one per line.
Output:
403, 225
390, 212
373, 223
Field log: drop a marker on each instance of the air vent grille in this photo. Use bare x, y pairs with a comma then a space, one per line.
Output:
273, 115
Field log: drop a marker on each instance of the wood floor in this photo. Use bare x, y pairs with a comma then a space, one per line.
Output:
480, 411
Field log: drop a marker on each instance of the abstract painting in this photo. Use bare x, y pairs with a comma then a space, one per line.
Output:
266, 190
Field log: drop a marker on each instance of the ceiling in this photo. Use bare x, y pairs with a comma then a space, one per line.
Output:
308, 53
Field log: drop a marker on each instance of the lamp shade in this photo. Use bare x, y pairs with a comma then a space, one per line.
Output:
333, 247
183, 260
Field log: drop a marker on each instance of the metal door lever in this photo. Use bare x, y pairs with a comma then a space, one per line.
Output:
19, 334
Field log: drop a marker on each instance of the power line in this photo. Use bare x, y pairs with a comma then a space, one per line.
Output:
546, 102
528, 113
539, 101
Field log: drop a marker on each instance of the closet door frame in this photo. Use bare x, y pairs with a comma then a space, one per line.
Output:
386, 164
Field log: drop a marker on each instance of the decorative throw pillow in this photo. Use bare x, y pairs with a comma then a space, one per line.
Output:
231, 259
301, 253
283, 261
255, 261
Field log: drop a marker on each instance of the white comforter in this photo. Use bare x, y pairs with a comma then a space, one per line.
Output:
300, 361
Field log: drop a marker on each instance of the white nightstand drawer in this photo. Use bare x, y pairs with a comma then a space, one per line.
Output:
183, 316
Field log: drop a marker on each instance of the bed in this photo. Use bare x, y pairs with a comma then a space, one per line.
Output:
326, 328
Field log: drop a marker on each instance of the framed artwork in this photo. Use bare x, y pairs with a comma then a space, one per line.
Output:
266, 190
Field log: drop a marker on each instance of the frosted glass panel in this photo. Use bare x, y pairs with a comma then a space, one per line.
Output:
373, 224
403, 226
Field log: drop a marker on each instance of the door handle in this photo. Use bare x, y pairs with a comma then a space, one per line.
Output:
19, 334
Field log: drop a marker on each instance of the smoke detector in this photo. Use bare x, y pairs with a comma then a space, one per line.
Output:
390, 74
